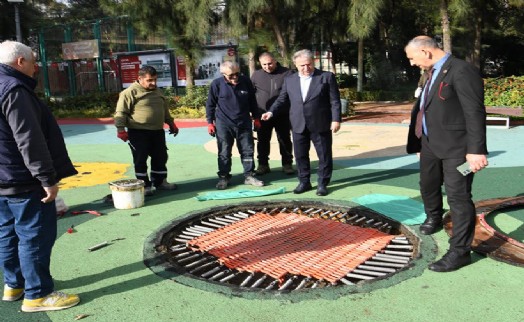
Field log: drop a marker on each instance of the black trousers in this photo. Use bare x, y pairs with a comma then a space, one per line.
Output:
323, 146
146, 144
434, 172
283, 130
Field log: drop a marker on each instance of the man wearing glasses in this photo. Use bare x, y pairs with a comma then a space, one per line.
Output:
230, 106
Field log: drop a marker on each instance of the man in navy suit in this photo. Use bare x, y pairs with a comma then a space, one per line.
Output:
314, 113
448, 128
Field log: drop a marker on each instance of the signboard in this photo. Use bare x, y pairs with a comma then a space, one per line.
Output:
80, 50
130, 63
208, 68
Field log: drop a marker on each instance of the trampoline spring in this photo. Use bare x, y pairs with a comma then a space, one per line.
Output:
232, 218
389, 259
345, 281
334, 214
207, 229
307, 211
198, 262
274, 211
315, 212
384, 264
366, 272
283, 209
212, 225
196, 269
316, 284
227, 278
272, 284
325, 213
401, 237
393, 256
229, 221
218, 221
259, 281
185, 236
377, 224
247, 279
185, 254
252, 212
368, 222
241, 216
303, 283
352, 218
244, 214
197, 230
213, 271
189, 258
359, 276
177, 248
359, 220
190, 233
400, 241
287, 283
183, 240
219, 274
378, 269
296, 210
410, 247
394, 252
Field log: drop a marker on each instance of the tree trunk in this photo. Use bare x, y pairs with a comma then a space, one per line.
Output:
360, 78
475, 57
251, 61
446, 33
190, 68
280, 38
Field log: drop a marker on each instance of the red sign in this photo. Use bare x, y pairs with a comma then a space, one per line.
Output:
129, 65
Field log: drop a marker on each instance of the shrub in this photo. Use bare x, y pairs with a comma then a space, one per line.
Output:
504, 91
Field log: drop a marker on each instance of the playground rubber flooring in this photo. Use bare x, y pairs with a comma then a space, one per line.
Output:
114, 284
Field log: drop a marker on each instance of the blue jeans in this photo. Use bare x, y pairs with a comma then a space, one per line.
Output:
27, 235
226, 135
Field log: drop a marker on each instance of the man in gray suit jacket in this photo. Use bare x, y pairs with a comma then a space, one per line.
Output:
448, 128
314, 114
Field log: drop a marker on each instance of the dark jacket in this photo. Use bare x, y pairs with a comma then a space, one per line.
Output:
455, 113
32, 148
268, 86
318, 110
234, 105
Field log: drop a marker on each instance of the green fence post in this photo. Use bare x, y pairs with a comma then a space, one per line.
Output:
130, 37
70, 67
43, 60
99, 59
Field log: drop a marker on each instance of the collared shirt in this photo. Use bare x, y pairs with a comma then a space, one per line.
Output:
305, 81
437, 67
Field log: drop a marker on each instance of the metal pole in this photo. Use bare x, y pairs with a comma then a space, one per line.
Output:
17, 22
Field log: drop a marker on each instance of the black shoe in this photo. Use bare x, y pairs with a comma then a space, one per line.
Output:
302, 187
322, 190
451, 261
430, 225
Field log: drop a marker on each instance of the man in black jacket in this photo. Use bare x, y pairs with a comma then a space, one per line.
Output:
268, 83
33, 159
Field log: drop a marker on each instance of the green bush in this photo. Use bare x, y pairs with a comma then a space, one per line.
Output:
504, 91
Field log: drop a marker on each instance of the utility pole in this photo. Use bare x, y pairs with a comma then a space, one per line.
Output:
17, 19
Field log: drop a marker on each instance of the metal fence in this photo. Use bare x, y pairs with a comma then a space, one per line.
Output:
60, 77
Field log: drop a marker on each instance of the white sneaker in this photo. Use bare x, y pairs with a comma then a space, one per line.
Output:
253, 181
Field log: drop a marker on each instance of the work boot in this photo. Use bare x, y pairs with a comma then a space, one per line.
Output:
149, 191
262, 169
167, 186
222, 183
288, 169
12, 294
52, 302
253, 181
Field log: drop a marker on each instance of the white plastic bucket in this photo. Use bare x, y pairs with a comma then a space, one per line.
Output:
127, 194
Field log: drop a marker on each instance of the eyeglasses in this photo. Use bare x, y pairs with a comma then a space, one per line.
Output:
231, 75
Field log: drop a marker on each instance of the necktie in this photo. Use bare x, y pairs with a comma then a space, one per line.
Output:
420, 114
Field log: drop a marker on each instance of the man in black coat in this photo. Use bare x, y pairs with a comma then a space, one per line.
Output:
268, 83
315, 115
448, 128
